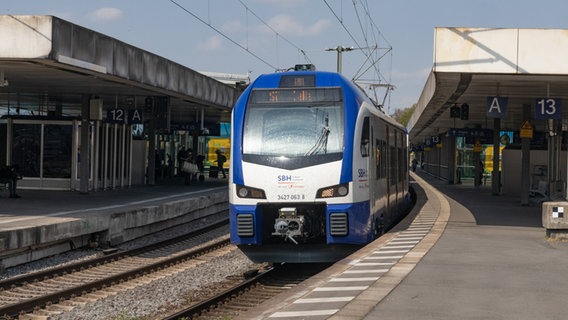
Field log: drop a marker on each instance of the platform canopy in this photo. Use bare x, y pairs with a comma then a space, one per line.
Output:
474, 65
48, 63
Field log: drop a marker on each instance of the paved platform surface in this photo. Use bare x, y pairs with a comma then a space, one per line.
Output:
43, 223
492, 261
45, 203
485, 257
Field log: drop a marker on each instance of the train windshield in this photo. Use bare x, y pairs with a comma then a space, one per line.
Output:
294, 123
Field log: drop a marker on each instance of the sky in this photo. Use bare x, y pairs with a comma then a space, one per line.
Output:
258, 36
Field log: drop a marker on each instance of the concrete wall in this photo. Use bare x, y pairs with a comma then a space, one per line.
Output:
511, 167
500, 50
59, 41
52, 235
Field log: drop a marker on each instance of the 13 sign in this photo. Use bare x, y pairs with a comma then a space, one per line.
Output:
548, 108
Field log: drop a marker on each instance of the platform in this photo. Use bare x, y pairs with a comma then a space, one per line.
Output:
466, 254
462, 254
42, 223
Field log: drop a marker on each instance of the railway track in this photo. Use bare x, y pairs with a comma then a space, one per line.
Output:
249, 293
34, 292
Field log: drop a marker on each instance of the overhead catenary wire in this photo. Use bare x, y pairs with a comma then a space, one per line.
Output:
368, 51
365, 6
374, 63
246, 48
302, 51
222, 34
372, 53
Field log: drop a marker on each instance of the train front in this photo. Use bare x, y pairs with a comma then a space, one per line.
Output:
290, 173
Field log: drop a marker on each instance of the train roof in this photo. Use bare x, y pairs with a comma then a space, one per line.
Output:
323, 79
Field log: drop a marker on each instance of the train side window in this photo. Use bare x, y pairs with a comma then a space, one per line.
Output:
380, 163
365, 138
378, 159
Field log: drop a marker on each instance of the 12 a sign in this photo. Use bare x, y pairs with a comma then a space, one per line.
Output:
120, 116
548, 108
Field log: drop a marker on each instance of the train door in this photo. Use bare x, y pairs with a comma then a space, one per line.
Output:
396, 167
378, 176
403, 168
373, 152
399, 170
389, 164
366, 174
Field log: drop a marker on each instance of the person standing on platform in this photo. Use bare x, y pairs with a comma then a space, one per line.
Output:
157, 165
179, 158
186, 157
221, 159
169, 166
10, 175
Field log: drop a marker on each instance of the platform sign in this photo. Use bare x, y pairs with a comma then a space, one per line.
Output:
428, 144
436, 141
526, 130
497, 107
116, 115
548, 108
135, 116
477, 147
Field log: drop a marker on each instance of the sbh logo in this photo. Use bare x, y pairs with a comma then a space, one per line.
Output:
284, 178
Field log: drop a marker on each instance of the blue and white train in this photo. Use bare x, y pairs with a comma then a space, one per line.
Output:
317, 170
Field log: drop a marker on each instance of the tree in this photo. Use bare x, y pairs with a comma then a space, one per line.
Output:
402, 116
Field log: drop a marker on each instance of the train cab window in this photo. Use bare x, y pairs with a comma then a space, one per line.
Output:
365, 138
294, 123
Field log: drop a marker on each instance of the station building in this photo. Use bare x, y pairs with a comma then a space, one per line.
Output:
491, 112
75, 103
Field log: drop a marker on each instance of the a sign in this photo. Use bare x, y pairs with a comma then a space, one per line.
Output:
135, 116
477, 147
121, 116
526, 130
484, 135
497, 107
548, 108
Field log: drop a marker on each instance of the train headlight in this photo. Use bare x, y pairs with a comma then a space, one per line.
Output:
251, 193
340, 190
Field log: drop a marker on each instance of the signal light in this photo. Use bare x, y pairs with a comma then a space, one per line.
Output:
455, 112
464, 111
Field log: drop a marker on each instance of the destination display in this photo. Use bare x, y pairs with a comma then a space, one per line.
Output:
296, 95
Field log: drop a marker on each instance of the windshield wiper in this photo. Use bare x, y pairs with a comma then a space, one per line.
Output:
321, 143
